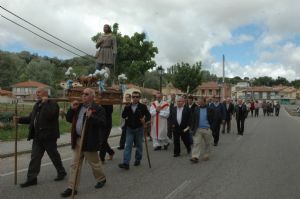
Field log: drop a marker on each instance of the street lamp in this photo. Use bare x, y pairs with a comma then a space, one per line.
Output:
160, 71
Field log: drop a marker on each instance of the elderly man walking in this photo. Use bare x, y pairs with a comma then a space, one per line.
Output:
202, 119
94, 116
44, 130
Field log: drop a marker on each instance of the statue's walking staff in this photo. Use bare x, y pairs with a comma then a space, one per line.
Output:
77, 173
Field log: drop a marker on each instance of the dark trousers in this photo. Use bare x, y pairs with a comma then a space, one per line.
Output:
228, 124
185, 137
216, 132
37, 153
256, 112
240, 125
104, 146
123, 137
251, 112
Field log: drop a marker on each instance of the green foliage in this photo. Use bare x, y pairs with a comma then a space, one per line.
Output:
263, 81
187, 76
296, 83
135, 55
6, 117
206, 76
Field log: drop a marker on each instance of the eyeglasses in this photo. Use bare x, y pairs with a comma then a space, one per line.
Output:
85, 94
135, 96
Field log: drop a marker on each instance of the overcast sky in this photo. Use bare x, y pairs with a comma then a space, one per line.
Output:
257, 37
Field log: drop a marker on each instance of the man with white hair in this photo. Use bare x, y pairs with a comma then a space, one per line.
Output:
44, 130
93, 116
159, 111
180, 124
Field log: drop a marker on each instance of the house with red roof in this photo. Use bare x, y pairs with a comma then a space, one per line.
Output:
6, 96
26, 90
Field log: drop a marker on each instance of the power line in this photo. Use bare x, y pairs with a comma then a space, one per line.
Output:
44, 31
40, 36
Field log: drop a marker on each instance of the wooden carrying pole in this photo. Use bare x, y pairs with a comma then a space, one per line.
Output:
146, 144
79, 157
16, 144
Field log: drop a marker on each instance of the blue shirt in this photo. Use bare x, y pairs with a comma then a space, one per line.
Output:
203, 122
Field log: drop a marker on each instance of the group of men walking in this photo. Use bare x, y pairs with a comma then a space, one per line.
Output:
197, 124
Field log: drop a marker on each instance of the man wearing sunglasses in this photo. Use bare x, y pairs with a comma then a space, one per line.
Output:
135, 114
94, 116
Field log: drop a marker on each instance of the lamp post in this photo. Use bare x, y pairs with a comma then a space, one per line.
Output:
160, 71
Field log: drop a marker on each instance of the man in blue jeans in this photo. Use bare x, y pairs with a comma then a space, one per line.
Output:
135, 114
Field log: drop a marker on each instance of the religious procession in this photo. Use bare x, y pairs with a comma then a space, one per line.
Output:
160, 123
132, 128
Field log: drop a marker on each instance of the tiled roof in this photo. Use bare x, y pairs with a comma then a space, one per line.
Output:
30, 84
5, 93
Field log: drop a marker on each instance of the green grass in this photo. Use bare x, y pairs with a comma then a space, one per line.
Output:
64, 126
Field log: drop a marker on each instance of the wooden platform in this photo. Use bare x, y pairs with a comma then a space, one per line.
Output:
109, 97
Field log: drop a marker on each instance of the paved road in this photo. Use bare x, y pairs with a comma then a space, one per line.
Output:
262, 164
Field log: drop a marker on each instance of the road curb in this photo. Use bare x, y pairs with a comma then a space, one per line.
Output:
24, 151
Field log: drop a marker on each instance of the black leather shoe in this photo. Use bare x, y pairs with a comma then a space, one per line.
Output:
176, 155
124, 166
157, 148
67, 193
60, 176
29, 183
166, 146
100, 184
194, 160
137, 163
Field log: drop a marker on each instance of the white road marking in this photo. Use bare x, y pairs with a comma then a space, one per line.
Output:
179, 189
42, 165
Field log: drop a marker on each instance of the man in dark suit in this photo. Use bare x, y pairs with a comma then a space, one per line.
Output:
240, 115
180, 119
44, 130
219, 118
172, 106
190, 103
136, 115
104, 145
93, 115
229, 110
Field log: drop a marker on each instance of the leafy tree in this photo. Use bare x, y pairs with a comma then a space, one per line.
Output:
41, 71
11, 66
207, 76
296, 83
135, 55
187, 76
281, 81
263, 81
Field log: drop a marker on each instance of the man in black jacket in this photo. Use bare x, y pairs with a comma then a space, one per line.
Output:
104, 146
180, 119
201, 122
93, 116
44, 130
136, 114
229, 110
240, 115
219, 118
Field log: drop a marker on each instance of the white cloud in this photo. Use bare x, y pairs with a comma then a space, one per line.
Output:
182, 30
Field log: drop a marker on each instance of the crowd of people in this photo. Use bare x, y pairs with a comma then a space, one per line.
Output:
196, 121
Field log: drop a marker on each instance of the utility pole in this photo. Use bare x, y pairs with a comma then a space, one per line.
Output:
223, 95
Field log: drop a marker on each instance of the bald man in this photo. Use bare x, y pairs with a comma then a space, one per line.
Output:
44, 130
94, 116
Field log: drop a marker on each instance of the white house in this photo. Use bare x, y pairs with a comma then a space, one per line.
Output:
26, 90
